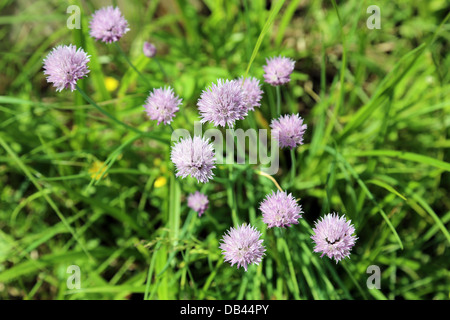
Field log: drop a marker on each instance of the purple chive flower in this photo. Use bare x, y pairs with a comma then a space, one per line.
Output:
149, 49
194, 157
162, 104
198, 202
333, 236
65, 65
280, 210
278, 70
252, 92
108, 25
288, 130
222, 103
242, 246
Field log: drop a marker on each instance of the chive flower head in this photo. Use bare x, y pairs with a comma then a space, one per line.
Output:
65, 65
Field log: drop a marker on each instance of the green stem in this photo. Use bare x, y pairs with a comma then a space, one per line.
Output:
231, 193
278, 100
340, 100
132, 65
151, 268
106, 113
293, 163
110, 116
232, 198
296, 290
49, 200
248, 26
162, 69
183, 112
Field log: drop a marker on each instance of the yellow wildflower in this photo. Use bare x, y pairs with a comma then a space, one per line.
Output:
97, 169
111, 84
161, 181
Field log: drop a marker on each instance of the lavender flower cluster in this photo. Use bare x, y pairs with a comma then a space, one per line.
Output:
222, 104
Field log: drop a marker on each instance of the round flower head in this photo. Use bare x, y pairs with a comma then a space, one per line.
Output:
149, 49
242, 246
222, 103
333, 236
198, 202
162, 104
108, 25
280, 210
251, 89
278, 70
288, 130
194, 157
65, 65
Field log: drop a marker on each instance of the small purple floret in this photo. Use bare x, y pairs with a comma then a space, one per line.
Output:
108, 25
251, 89
198, 202
149, 49
333, 236
280, 210
288, 130
162, 104
65, 65
278, 70
242, 246
222, 103
194, 157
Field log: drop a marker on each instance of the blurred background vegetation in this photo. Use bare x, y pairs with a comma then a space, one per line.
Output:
76, 189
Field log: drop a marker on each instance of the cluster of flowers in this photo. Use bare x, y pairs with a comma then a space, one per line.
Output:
223, 103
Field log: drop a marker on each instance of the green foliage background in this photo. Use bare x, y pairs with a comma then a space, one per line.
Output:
377, 149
